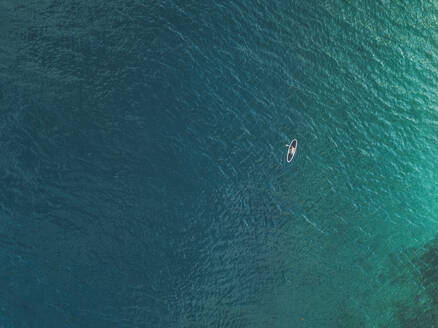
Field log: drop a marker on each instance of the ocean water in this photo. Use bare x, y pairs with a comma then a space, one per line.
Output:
143, 166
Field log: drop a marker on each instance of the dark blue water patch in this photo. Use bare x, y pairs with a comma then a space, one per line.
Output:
79, 186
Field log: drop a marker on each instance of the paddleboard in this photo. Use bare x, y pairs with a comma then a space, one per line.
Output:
291, 150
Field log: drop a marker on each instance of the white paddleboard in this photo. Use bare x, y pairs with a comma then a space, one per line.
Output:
291, 150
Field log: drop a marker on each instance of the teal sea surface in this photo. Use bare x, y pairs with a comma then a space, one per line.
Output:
143, 169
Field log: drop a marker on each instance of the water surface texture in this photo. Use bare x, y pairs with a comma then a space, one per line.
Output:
143, 166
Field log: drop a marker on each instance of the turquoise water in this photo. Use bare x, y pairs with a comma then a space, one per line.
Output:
144, 175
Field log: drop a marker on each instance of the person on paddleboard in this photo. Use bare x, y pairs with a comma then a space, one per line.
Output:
291, 150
